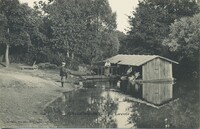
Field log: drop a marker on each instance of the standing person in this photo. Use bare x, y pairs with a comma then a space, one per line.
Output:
63, 74
129, 71
107, 68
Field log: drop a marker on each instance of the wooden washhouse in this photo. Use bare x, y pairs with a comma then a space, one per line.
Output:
156, 75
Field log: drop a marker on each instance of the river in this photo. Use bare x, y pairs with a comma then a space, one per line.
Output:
105, 107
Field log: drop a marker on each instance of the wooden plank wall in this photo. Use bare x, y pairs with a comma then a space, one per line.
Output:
165, 69
150, 92
157, 69
157, 93
165, 92
149, 70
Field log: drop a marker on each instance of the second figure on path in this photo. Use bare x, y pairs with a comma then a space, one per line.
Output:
63, 74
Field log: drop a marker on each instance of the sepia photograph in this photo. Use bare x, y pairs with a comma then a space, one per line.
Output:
99, 64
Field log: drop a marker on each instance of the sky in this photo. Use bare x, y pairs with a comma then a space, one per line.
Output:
123, 8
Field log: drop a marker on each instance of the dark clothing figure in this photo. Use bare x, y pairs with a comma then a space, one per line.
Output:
63, 71
63, 75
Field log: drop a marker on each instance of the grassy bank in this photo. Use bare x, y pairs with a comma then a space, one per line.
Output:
24, 93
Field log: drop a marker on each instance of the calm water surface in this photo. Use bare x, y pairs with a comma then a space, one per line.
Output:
102, 107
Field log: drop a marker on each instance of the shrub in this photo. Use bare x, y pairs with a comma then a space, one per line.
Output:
47, 65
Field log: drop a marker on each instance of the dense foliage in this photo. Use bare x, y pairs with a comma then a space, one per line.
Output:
184, 43
84, 31
15, 27
81, 30
153, 31
150, 24
61, 30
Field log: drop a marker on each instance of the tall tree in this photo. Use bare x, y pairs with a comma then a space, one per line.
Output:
123, 49
15, 18
102, 39
150, 23
184, 43
3, 22
81, 29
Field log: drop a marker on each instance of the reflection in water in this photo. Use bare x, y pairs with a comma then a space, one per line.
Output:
123, 112
154, 92
106, 108
183, 113
157, 93
96, 107
91, 108
103, 108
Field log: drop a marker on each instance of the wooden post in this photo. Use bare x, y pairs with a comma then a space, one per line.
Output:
101, 70
98, 71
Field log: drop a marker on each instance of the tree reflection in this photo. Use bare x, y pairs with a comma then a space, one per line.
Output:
84, 108
135, 115
107, 109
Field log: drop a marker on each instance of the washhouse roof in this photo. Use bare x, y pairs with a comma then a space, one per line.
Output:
135, 60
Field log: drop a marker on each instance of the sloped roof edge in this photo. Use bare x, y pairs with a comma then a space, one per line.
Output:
168, 60
135, 60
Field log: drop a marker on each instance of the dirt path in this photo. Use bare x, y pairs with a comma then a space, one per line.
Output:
23, 95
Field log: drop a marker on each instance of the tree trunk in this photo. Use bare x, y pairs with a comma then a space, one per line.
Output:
7, 55
72, 55
67, 44
199, 66
68, 54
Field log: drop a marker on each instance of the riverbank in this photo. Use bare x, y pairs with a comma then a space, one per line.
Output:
24, 94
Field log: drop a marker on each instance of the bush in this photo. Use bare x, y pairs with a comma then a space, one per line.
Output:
47, 66
25, 58
74, 65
